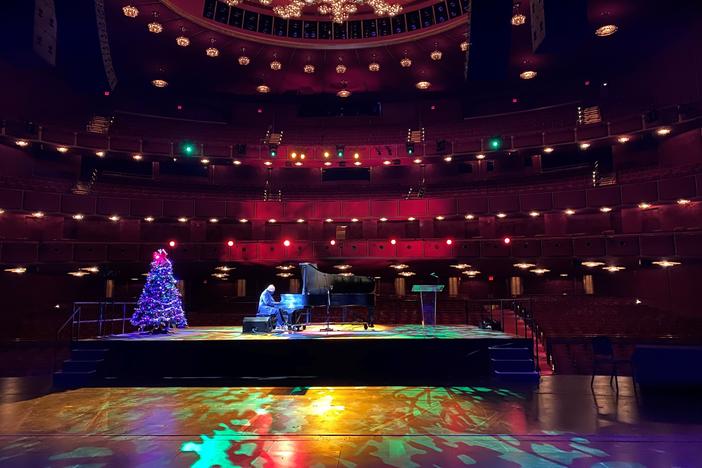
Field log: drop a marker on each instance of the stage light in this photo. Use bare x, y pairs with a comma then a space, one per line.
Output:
666, 263
644, 205
100, 154
534, 214
449, 242
501, 215
440, 218
469, 217
188, 148
417, 161
328, 220
230, 243
293, 155
332, 242
137, 157
479, 156
114, 218
149, 219
448, 158
584, 146
357, 163
22, 143
267, 163
569, 212
663, 131
340, 151
78, 216
327, 163
326, 154
356, 155
549, 149
411, 218
38, 214
62, 149
623, 139
298, 163
236, 162
16, 270
286, 243
495, 143
393, 241
507, 240
172, 244
383, 219
683, 201
243, 220
591, 264
272, 220
354, 220
205, 161
605, 209
410, 148
182, 220
387, 162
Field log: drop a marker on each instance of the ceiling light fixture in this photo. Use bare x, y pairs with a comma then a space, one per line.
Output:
212, 51
308, 68
130, 11
523, 266
263, 89
436, 54
464, 46
614, 268
606, 30
338, 10
159, 83
666, 263
406, 62
154, 26
528, 75
683, 201
423, 85
591, 264
663, 131
243, 58
22, 143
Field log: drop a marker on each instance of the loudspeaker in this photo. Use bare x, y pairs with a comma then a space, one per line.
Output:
258, 324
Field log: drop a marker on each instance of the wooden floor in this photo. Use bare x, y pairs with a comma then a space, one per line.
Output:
560, 423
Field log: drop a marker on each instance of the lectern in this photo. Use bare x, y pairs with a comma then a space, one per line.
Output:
427, 299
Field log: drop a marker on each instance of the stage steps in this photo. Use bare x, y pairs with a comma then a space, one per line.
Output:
513, 363
81, 369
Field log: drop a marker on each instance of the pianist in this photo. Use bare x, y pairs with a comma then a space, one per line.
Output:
267, 306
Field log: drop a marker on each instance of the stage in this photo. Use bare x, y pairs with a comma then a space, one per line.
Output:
349, 355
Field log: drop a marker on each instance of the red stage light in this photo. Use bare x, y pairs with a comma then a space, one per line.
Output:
332, 242
259, 110
449, 242
230, 243
491, 278
179, 107
286, 243
393, 241
172, 243
106, 93
507, 240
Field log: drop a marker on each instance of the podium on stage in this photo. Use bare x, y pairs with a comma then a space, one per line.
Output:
427, 298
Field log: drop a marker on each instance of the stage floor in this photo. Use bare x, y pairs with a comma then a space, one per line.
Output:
561, 423
350, 332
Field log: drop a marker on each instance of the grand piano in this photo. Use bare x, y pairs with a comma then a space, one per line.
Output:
328, 290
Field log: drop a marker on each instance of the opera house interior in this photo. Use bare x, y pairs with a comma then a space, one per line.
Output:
350, 233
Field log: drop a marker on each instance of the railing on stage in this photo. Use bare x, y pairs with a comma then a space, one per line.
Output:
100, 317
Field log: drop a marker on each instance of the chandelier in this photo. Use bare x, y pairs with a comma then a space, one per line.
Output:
130, 11
338, 10
243, 58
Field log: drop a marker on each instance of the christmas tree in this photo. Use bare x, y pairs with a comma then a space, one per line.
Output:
160, 306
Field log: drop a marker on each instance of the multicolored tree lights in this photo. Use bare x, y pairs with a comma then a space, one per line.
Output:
160, 306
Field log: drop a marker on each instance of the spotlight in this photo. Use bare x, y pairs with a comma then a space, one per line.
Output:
393, 241
273, 150
172, 243
230, 243
549, 149
507, 240
188, 148
286, 243
332, 242
495, 143
410, 148
340, 151
449, 242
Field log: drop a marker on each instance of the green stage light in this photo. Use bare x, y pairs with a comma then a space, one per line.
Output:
340, 151
188, 148
495, 143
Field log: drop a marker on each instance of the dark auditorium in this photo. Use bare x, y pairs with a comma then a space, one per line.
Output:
351, 233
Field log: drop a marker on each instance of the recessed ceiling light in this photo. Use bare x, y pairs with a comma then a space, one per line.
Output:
387, 162
614, 268
411, 218
236, 162
272, 220
137, 157
523, 266
243, 220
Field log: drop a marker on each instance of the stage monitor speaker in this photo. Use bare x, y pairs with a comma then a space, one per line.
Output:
258, 324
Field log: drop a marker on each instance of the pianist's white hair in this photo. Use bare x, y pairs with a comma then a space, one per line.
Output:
270, 288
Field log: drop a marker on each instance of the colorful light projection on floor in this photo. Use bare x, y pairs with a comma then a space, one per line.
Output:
321, 426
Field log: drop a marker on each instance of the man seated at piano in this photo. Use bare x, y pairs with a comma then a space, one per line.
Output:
268, 306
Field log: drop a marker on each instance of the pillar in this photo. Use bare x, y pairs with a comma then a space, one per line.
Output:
400, 287
588, 284
109, 289
516, 287
454, 283
241, 287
